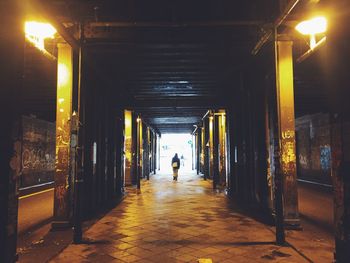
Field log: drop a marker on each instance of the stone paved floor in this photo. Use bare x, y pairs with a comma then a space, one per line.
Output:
178, 222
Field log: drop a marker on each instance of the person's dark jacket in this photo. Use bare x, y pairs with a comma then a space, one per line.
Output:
177, 160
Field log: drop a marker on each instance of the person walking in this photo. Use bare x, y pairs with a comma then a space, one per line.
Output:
175, 163
182, 160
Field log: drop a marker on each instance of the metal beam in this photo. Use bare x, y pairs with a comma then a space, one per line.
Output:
311, 50
203, 102
230, 23
263, 40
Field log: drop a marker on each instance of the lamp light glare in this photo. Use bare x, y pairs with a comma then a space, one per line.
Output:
313, 26
37, 32
62, 74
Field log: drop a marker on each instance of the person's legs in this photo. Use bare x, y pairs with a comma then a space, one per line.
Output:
176, 174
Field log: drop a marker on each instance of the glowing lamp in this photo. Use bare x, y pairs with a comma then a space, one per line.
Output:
312, 27
37, 32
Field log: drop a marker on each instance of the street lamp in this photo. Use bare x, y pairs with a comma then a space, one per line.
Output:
312, 27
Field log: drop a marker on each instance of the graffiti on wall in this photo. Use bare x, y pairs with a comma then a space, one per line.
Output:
60, 195
325, 157
34, 158
303, 161
38, 151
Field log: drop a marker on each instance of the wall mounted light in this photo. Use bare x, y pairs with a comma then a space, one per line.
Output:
312, 27
37, 32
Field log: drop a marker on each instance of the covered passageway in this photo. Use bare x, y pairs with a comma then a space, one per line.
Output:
88, 89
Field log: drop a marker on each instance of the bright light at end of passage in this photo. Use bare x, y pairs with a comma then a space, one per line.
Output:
313, 26
37, 32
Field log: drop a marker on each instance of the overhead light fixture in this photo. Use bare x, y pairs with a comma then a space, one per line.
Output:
312, 27
37, 32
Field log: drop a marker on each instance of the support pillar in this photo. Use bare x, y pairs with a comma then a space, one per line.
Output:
62, 202
138, 152
158, 151
222, 149
198, 149
194, 151
206, 148
338, 80
128, 147
286, 130
230, 144
341, 185
119, 148
150, 151
154, 156
78, 129
203, 149
215, 150
11, 53
211, 147
154, 153
147, 153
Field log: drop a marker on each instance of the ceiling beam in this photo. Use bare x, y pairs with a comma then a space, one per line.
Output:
223, 23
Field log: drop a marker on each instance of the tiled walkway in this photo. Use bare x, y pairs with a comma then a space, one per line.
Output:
177, 222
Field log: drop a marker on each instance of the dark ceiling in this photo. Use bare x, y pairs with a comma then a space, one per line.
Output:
170, 61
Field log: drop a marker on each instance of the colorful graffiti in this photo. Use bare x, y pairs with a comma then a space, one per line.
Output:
325, 156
